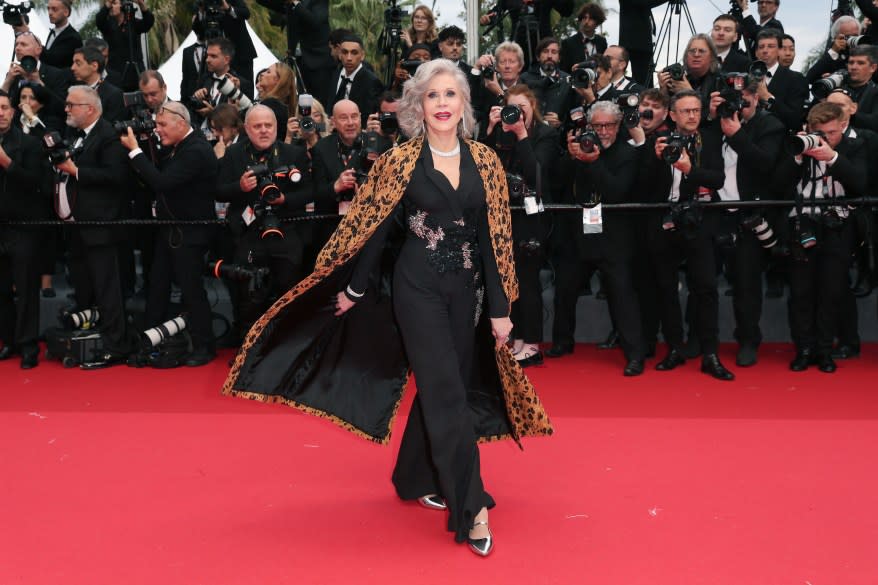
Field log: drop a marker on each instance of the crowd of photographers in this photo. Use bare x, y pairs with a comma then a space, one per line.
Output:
731, 122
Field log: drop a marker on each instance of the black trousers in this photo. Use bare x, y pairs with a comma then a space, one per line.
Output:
19, 268
527, 311
668, 249
818, 288
183, 263
745, 263
617, 276
94, 271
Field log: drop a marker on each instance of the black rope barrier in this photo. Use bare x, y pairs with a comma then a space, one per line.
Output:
563, 207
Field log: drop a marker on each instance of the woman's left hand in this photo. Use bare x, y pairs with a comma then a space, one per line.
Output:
501, 328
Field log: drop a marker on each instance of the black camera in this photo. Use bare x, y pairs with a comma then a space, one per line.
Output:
143, 125
629, 102
674, 147
730, 87
56, 148
518, 188
823, 87
364, 151
854, 41
306, 124
760, 228
141, 121
488, 72
588, 140
255, 277
676, 71
129, 9
388, 122
584, 76
28, 63
510, 114
735, 10
267, 180
209, 15
577, 118
684, 216
411, 65
16, 14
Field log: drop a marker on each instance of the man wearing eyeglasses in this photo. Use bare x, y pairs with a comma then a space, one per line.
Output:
184, 188
686, 233
93, 184
767, 10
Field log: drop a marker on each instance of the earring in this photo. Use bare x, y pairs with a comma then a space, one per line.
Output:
463, 126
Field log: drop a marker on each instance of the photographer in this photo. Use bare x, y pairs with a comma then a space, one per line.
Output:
861, 66
753, 140
550, 84
605, 172
277, 90
214, 85
315, 122
406, 67
88, 64
836, 55
28, 67
384, 122
600, 88
91, 184
619, 57
116, 20
700, 67
527, 148
586, 43
832, 164
422, 31
499, 72
767, 10
249, 194
23, 196
782, 92
184, 188
531, 20
687, 168
228, 18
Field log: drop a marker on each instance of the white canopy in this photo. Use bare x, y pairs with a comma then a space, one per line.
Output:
172, 70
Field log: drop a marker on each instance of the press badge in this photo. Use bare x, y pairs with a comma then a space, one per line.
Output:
592, 220
530, 205
248, 215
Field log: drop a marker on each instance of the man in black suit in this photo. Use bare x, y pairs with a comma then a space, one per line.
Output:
605, 174
111, 75
767, 10
861, 66
586, 43
23, 170
282, 255
700, 66
184, 189
834, 167
787, 51
686, 233
87, 66
55, 80
724, 35
530, 21
619, 58
220, 52
62, 39
782, 92
117, 26
751, 146
636, 28
352, 81
233, 15
194, 67
92, 185
835, 56
550, 84
308, 30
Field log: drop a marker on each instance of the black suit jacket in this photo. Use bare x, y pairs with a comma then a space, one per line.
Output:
365, 91
236, 31
867, 109
326, 166
851, 169
308, 29
573, 50
790, 91
636, 25
758, 144
26, 184
102, 187
56, 82
736, 62
825, 64
61, 53
185, 185
751, 29
191, 73
117, 37
111, 102
709, 173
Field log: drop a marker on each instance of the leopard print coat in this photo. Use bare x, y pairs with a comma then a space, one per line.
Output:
375, 200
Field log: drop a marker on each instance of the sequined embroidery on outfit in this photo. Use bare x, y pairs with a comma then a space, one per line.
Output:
450, 248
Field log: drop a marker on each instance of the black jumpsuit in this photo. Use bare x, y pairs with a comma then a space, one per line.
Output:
445, 266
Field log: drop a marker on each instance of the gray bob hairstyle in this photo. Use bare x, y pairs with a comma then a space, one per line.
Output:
411, 106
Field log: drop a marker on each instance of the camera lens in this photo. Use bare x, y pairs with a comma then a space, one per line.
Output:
510, 114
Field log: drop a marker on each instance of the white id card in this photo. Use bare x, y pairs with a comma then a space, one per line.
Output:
592, 220
530, 205
343, 207
248, 215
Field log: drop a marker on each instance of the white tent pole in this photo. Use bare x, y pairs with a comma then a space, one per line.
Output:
472, 30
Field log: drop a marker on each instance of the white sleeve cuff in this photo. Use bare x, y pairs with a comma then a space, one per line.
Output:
831, 162
134, 153
833, 54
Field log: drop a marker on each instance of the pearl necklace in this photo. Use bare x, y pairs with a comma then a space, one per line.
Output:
448, 154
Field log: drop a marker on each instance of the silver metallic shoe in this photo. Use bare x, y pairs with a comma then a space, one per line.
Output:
433, 502
481, 546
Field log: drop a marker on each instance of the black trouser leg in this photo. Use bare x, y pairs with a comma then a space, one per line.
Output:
701, 267
568, 279
749, 259
527, 311
624, 306
187, 263
102, 266
666, 260
834, 261
803, 299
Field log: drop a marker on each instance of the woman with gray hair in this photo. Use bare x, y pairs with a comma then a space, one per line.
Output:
450, 194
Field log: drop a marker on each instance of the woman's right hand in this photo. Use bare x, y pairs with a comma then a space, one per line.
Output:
342, 304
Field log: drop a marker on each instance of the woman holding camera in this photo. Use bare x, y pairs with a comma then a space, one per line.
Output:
422, 31
310, 136
113, 20
527, 148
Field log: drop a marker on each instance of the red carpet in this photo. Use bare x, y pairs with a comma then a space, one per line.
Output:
131, 477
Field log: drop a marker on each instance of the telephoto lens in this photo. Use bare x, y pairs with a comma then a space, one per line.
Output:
800, 143
85, 319
158, 334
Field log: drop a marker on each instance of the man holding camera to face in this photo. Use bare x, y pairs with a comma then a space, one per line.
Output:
184, 189
550, 85
836, 55
857, 83
605, 172
219, 84
752, 141
265, 181
687, 169
830, 163
28, 66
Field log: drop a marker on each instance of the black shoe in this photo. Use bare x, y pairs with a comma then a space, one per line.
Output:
650, 351
692, 349
746, 356
711, 365
535, 359
863, 286
633, 368
199, 357
29, 360
559, 349
671, 361
804, 358
105, 360
611, 342
846, 351
6, 352
481, 546
825, 363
